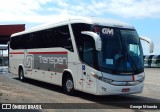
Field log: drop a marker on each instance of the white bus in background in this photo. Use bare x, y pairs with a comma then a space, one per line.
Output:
148, 61
97, 56
156, 61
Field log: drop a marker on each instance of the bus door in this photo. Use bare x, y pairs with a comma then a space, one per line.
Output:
88, 63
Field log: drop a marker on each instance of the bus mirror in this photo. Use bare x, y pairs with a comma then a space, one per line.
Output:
150, 42
96, 37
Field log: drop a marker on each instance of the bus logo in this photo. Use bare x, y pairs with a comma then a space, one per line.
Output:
54, 62
28, 62
108, 31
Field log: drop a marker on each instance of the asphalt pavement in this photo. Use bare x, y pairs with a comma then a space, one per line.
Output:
14, 91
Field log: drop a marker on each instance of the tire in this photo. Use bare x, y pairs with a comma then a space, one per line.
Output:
21, 75
68, 86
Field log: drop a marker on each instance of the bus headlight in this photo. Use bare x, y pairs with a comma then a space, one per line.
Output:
103, 79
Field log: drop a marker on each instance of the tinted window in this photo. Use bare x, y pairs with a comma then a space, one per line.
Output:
85, 44
63, 38
17, 42
88, 50
55, 37
77, 29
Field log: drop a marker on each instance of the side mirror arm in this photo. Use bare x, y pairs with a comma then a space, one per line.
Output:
96, 37
150, 42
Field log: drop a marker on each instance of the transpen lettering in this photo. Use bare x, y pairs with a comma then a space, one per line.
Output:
53, 60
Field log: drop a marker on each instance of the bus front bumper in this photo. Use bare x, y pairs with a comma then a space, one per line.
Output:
108, 89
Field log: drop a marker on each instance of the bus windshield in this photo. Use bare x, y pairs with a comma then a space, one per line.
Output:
121, 51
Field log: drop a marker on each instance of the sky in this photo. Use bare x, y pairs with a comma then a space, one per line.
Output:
144, 15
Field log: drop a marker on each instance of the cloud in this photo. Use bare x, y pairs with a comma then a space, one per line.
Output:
18, 10
135, 8
38, 11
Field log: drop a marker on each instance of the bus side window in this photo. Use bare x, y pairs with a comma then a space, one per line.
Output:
77, 29
27, 41
64, 38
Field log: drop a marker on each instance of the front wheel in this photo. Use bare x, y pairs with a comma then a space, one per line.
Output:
69, 86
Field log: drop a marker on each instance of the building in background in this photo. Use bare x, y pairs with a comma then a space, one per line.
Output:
5, 32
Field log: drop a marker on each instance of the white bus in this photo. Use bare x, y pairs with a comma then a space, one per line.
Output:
156, 61
148, 61
97, 56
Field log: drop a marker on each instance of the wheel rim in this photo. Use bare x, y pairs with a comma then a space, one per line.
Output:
69, 85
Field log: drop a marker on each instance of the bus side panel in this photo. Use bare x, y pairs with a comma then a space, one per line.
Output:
75, 62
46, 64
15, 59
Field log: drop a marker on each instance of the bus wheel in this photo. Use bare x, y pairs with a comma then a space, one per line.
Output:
21, 75
69, 86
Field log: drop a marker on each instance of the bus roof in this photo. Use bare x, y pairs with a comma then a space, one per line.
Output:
77, 19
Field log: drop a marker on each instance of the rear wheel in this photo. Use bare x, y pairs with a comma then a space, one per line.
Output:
68, 86
21, 75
